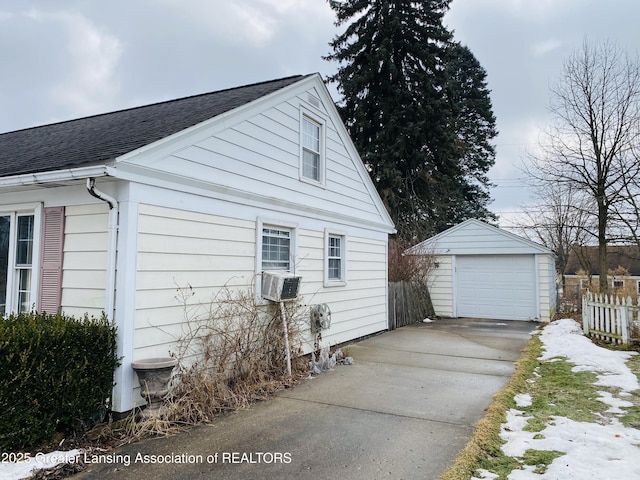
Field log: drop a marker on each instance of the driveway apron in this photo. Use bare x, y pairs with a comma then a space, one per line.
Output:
403, 411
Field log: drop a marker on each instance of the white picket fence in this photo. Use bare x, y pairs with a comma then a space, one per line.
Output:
610, 318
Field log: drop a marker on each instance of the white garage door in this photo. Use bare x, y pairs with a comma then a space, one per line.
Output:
496, 286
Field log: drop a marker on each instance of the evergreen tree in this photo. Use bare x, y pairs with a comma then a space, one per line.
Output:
406, 104
475, 127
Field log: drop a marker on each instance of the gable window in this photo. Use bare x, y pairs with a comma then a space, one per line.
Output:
335, 262
276, 249
17, 235
312, 162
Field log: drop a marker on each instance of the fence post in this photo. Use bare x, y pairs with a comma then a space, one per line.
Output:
625, 320
585, 313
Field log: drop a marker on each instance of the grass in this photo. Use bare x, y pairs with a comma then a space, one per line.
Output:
555, 391
632, 415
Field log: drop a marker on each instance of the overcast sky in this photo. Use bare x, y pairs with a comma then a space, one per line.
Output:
65, 59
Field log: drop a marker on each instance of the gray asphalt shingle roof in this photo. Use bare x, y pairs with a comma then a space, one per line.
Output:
101, 138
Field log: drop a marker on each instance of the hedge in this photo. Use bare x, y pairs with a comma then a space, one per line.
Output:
57, 375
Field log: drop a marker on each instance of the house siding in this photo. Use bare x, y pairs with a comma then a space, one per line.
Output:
178, 249
259, 153
85, 259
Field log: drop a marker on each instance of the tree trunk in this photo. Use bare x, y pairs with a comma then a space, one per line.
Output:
602, 246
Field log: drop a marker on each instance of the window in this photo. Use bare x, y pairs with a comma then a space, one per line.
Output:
335, 259
618, 284
312, 145
276, 249
17, 233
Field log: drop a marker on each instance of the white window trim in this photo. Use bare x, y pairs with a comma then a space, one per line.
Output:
293, 247
329, 282
322, 168
14, 211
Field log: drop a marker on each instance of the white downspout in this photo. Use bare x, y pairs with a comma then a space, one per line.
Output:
110, 294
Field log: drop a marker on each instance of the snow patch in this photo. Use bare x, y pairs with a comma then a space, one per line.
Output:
564, 338
484, 475
523, 400
616, 404
24, 469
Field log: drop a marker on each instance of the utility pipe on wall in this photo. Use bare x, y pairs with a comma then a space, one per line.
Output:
110, 292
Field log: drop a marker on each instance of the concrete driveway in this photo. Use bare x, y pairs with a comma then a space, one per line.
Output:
403, 411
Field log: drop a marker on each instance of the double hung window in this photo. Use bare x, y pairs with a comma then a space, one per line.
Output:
335, 259
311, 157
16, 262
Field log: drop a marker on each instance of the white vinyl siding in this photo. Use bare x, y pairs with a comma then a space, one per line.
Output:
180, 252
261, 156
357, 309
440, 283
488, 272
547, 278
85, 259
200, 254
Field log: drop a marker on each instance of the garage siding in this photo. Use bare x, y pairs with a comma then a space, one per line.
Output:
487, 272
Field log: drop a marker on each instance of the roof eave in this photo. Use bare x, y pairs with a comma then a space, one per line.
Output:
54, 176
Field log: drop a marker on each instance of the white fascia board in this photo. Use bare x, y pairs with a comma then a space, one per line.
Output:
55, 176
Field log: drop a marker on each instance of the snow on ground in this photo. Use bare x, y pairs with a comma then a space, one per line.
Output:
24, 469
606, 450
522, 400
564, 338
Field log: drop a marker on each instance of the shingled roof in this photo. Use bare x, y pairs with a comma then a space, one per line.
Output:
101, 138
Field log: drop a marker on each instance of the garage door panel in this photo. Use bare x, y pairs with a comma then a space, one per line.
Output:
496, 286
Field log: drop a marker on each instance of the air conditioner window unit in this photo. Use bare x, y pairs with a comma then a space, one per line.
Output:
280, 286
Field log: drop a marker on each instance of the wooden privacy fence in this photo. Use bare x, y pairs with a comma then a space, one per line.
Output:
409, 302
609, 318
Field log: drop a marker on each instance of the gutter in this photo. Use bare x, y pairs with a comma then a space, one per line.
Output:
43, 178
112, 247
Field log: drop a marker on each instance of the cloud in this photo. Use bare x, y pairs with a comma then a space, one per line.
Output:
91, 85
541, 48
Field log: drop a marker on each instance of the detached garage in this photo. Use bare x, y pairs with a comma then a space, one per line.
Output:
484, 272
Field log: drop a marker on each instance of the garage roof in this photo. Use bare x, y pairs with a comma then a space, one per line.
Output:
473, 237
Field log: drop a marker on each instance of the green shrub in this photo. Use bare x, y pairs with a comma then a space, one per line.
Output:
57, 374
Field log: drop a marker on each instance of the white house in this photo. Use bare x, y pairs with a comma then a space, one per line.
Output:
482, 271
113, 212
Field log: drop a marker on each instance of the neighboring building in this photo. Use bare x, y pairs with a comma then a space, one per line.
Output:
484, 272
114, 212
623, 270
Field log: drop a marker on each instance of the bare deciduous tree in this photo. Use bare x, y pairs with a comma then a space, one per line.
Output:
592, 143
561, 219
